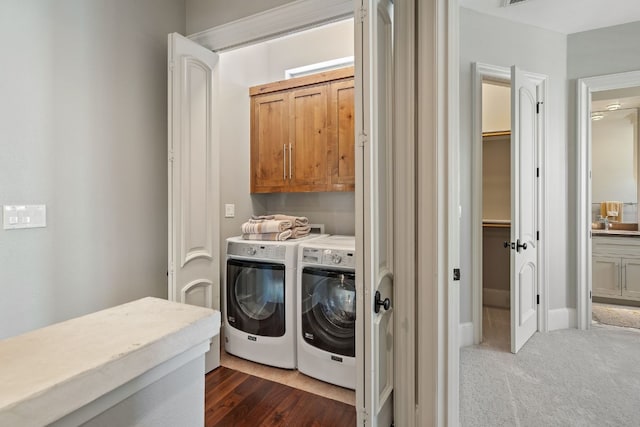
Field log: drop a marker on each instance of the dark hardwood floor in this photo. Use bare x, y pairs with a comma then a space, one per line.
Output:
237, 399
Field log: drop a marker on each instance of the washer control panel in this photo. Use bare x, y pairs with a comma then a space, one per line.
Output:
337, 257
256, 250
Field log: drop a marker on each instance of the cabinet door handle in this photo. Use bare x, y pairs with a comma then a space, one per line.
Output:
284, 162
625, 277
290, 162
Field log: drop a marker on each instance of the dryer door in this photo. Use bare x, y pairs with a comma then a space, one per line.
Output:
255, 297
329, 310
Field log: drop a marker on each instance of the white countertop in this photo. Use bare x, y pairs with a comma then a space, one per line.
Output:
50, 372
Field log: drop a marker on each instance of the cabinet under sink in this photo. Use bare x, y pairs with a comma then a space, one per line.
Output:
616, 267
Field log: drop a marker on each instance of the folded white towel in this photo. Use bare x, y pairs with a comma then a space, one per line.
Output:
281, 236
270, 226
298, 232
297, 221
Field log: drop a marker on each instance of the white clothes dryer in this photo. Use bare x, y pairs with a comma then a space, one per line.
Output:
259, 300
326, 310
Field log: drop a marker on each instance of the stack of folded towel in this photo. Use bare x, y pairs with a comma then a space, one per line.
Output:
612, 210
275, 227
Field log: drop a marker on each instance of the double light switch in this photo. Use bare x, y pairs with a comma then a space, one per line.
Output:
24, 216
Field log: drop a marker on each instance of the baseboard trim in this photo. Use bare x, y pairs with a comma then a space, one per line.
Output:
496, 297
562, 318
466, 334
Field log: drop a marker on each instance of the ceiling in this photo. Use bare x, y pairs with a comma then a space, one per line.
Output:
563, 16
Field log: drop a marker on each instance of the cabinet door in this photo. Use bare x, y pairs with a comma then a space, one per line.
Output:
342, 136
631, 278
606, 276
269, 143
308, 138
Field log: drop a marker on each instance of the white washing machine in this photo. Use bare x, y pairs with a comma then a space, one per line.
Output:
327, 310
260, 299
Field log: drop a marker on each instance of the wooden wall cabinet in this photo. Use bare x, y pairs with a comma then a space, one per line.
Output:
303, 134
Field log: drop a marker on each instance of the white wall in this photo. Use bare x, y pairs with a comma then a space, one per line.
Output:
205, 14
500, 42
83, 120
258, 64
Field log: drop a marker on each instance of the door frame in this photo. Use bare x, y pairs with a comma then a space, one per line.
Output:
482, 71
287, 19
437, 212
585, 87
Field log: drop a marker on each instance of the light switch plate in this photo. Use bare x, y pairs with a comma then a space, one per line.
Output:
24, 216
229, 210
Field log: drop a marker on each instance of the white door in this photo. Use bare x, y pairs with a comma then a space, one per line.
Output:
193, 180
525, 135
374, 214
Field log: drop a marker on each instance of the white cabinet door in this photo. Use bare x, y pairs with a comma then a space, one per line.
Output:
631, 278
606, 276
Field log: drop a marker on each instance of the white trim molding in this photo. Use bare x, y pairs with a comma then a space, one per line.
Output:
404, 128
583, 183
437, 207
479, 72
466, 334
562, 318
286, 19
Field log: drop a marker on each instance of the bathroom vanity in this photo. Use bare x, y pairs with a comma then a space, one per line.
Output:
616, 264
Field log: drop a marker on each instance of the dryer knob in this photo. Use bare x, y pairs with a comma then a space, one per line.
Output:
251, 251
337, 259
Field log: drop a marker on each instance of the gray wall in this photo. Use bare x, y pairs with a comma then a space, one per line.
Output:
603, 51
205, 14
496, 41
83, 125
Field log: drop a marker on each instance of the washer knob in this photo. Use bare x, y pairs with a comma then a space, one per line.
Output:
336, 259
251, 251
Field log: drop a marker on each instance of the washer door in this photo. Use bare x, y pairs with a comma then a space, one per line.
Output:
329, 310
255, 297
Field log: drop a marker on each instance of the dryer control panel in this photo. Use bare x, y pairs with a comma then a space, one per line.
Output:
337, 257
256, 250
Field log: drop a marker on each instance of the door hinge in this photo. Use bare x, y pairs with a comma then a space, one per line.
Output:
363, 138
456, 274
538, 106
538, 299
171, 157
537, 235
590, 234
537, 172
362, 12
365, 416
171, 65
589, 294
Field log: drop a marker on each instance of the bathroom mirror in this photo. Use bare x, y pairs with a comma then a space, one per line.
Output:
614, 146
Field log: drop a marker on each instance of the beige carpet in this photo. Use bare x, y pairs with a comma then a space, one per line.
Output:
628, 317
562, 378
